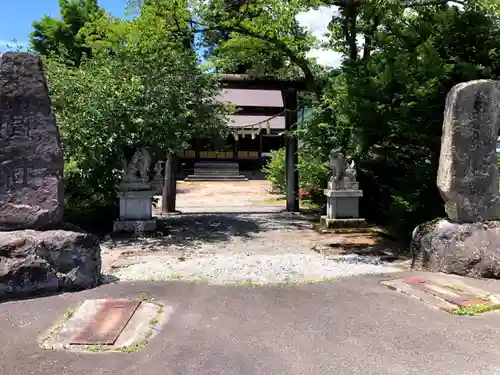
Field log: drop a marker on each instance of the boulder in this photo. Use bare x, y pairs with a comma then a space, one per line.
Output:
33, 262
466, 249
468, 169
31, 159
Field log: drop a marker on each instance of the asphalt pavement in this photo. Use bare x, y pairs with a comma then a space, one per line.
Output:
349, 326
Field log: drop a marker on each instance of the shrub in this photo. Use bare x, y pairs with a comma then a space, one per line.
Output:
313, 174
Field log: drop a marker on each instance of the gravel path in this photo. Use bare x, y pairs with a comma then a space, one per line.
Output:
220, 269
235, 248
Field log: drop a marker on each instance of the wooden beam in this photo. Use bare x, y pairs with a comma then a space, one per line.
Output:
258, 111
244, 81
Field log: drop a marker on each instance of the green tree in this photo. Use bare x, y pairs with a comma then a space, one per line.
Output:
148, 92
61, 36
385, 108
261, 36
393, 103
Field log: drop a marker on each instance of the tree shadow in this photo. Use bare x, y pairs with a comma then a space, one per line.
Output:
370, 245
188, 229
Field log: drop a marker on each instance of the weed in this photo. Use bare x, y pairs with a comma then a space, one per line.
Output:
473, 310
173, 276
160, 308
135, 347
96, 348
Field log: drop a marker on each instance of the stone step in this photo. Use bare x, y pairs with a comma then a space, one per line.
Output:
218, 172
215, 178
216, 165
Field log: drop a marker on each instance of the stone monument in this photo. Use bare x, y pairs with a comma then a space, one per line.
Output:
468, 167
342, 206
31, 160
36, 254
467, 242
136, 196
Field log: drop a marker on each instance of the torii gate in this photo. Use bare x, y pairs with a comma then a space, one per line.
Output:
289, 91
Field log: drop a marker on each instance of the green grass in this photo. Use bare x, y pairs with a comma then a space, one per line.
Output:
283, 283
135, 347
96, 348
473, 310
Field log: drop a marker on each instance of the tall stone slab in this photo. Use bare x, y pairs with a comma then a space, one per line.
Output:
31, 160
468, 169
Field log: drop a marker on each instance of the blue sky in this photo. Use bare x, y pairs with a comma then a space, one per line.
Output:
16, 17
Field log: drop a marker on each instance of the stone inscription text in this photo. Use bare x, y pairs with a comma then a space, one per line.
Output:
15, 126
14, 176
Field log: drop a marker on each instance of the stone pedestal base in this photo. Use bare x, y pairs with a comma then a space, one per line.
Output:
136, 212
342, 203
136, 205
134, 226
328, 223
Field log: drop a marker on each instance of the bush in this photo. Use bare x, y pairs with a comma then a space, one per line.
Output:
88, 204
313, 174
275, 170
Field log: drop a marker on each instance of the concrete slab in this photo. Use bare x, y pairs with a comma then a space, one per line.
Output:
79, 331
444, 292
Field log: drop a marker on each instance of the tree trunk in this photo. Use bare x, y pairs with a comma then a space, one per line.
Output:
169, 185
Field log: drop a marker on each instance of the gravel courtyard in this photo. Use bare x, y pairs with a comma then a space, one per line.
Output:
241, 247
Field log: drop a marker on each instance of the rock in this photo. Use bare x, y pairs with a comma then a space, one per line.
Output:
466, 249
31, 159
34, 262
468, 168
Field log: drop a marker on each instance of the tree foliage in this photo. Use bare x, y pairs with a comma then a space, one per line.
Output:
385, 108
142, 88
61, 37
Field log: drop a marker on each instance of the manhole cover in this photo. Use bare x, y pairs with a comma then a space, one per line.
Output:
105, 326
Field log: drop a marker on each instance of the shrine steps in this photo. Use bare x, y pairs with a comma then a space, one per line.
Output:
215, 178
216, 171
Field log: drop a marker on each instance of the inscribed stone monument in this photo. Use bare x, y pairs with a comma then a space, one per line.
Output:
31, 162
466, 243
34, 259
468, 169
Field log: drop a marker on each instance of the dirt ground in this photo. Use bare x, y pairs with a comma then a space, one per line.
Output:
216, 196
237, 218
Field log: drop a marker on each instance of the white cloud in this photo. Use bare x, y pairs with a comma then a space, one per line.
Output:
326, 57
317, 22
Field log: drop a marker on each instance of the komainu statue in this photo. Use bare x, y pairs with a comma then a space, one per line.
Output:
337, 165
137, 170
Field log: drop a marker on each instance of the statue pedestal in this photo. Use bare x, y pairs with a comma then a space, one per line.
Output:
136, 212
342, 208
